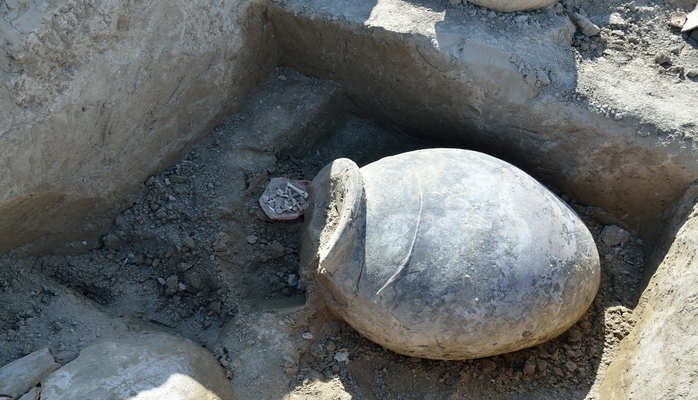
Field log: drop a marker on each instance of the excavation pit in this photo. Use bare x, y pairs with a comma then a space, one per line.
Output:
191, 252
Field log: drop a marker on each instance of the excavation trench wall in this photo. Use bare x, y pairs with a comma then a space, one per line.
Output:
450, 77
96, 96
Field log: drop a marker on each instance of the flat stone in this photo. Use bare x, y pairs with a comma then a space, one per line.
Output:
19, 376
614, 235
145, 367
513, 5
33, 394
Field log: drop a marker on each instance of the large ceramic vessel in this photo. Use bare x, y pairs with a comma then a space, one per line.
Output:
447, 254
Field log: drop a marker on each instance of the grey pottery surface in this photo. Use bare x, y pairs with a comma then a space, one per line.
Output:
447, 254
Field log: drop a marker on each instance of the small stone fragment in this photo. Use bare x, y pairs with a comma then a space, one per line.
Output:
530, 367
614, 235
570, 366
313, 376
171, 285
616, 21
662, 57
307, 335
292, 280
692, 73
678, 20
276, 250
341, 356
541, 364
178, 179
586, 27
188, 242
252, 239
19, 376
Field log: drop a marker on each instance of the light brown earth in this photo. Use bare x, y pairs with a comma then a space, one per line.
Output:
599, 120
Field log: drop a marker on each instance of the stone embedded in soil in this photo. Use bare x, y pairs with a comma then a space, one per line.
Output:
17, 377
614, 235
153, 366
513, 5
585, 25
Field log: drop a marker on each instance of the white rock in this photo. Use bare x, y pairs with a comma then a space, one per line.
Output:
615, 20
146, 367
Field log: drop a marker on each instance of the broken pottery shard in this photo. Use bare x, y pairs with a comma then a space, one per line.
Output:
513, 5
144, 367
447, 254
19, 376
285, 199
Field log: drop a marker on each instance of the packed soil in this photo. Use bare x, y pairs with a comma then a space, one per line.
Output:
196, 255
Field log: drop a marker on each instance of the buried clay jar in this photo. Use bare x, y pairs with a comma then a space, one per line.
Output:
447, 254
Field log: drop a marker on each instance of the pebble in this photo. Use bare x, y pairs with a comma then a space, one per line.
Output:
252, 239
188, 242
616, 20
171, 285
570, 366
586, 27
341, 356
662, 57
276, 250
292, 280
307, 335
614, 235
313, 376
530, 367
